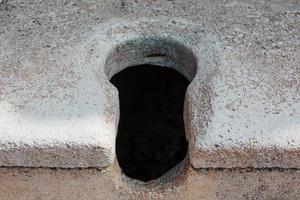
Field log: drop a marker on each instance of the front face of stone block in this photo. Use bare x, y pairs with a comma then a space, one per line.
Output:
198, 184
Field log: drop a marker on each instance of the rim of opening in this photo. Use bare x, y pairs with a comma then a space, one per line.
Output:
153, 51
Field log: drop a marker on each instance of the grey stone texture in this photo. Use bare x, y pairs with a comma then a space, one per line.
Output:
58, 109
29, 184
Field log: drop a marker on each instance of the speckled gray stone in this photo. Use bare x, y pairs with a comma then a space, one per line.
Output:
58, 109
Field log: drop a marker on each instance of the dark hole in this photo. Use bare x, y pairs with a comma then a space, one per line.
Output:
151, 137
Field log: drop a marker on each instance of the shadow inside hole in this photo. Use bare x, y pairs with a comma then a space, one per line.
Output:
151, 137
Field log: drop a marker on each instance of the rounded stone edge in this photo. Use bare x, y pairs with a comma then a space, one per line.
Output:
246, 158
63, 156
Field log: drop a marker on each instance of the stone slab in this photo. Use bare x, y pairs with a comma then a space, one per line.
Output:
58, 109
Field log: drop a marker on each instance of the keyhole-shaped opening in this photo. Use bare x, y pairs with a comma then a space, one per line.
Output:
151, 137
151, 75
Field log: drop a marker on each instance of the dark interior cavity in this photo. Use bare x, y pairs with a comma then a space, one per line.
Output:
151, 137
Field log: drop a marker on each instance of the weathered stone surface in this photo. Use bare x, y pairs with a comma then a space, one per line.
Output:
102, 184
58, 109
